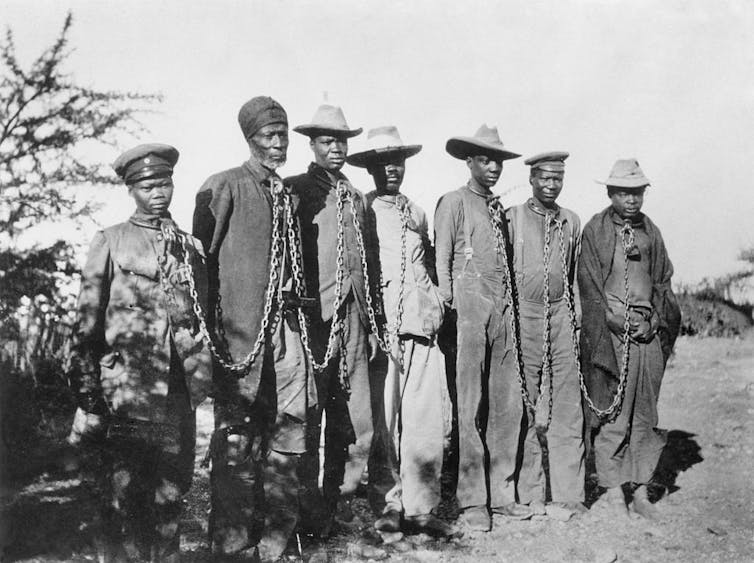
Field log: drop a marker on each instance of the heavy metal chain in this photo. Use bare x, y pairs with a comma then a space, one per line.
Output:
545, 384
405, 215
382, 341
337, 324
276, 251
627, 236
495, 209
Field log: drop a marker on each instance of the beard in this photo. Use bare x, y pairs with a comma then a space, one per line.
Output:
269, 158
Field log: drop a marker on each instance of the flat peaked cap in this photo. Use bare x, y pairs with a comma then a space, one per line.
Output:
258, 112
151, 160
626, 173
328, 119
382, 143
485, 141
552, 161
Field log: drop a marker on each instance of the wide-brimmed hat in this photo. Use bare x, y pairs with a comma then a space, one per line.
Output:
626, 173
382, 143
486, 138
327, 119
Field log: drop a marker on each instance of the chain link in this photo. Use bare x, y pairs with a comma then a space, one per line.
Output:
405, 216
545, 385
495, 209
609, 414
381, 339
280, 200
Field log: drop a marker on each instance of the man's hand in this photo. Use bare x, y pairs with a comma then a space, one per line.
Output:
85, 424
373, 346
615, 324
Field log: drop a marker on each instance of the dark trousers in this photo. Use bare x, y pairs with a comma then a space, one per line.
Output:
255, 455
488, 395
628, 449
145, 470
345, 395
564, 436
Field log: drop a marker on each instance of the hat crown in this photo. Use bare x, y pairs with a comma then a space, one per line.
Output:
146, 160
383, 137
329, 117
627, 173
488, 135
626, 168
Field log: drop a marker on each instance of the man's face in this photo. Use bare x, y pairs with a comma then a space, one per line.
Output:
388, 175
626, 202
329, 151
269, 145
546, 185
485, 169
152, 195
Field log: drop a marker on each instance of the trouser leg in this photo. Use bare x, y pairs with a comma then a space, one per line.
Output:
645, 442
141, 487
350, 426
280, 503
123, 491
565, 440
448, 342
504, 414
471, 388
236, 481
421, 428
531, 482
384, 467
612, 439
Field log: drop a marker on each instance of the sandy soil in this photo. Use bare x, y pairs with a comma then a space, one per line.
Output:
706, 504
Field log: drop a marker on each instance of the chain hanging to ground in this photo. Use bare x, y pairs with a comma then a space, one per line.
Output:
627, 237
495, 209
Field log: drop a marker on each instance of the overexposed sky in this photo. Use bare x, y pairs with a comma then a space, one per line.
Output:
669, 82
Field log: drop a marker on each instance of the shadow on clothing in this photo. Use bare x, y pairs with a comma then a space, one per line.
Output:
681, 452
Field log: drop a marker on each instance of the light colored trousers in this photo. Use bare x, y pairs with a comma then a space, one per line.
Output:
417, 419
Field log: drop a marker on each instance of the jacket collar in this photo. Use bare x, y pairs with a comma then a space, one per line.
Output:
148, 220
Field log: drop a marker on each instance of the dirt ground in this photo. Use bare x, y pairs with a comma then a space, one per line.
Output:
705, 485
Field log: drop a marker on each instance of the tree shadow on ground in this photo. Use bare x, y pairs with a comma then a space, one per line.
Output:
49, 514
681, 452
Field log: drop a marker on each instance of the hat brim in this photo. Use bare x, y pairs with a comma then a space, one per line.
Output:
365, 158
634, 184
312, 130
463, 147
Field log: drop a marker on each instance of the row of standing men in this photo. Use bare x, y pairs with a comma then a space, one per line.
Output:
299, 297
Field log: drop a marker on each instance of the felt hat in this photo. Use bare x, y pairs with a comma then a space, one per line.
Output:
327, 120
382, 143
151, 160
258, 112
553, 161
485, 141
626, 173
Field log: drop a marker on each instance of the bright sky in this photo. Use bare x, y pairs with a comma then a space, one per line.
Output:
668, 82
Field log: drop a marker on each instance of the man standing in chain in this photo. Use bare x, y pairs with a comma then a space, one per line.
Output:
139, 365
415, 397
545, 239
343, 327
241, 217
630, 323
472, 271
